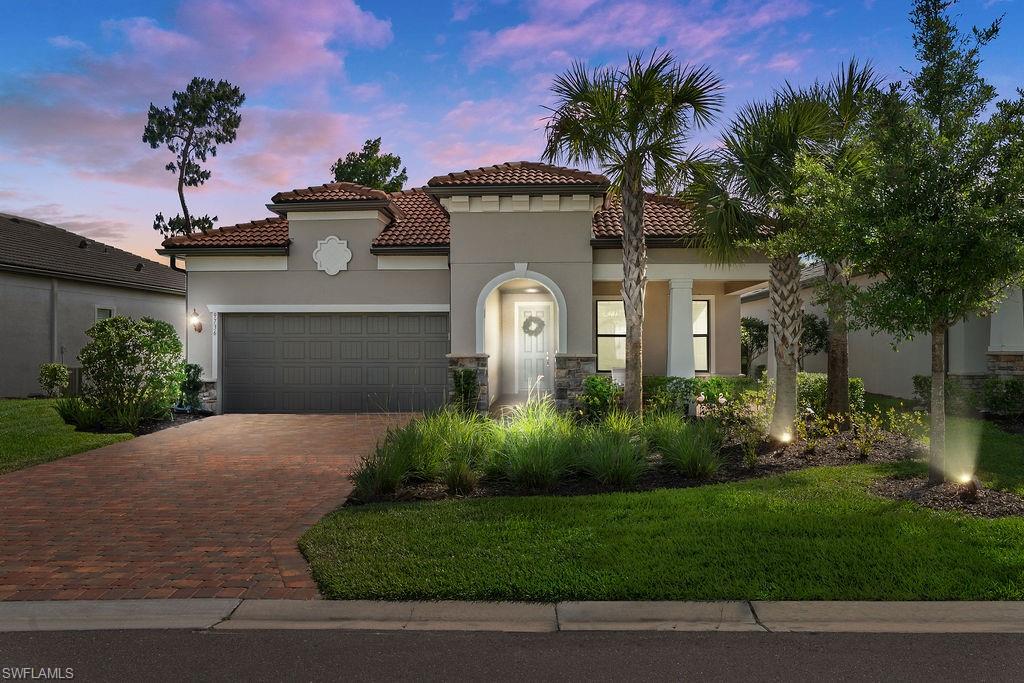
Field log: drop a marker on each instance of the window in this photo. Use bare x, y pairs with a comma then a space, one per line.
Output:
611, 335
103, 313
701, 337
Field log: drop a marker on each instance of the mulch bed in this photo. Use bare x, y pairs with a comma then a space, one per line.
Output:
948, 496
177, 419
773, 459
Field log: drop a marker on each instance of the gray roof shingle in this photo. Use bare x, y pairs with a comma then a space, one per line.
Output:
27, 245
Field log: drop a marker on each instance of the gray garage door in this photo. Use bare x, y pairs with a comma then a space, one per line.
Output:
333, 362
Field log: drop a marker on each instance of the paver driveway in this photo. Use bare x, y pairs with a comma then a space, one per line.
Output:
209, 509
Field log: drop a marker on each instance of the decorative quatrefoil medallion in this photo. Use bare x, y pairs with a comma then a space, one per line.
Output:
332, 255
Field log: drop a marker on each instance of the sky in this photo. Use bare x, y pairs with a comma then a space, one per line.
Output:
447, 84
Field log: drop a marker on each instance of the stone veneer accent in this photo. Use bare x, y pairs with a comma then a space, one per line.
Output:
475, 361
208, 396
1006, 364
570, 371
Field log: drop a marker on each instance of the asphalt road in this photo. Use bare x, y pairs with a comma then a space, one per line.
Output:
361, 655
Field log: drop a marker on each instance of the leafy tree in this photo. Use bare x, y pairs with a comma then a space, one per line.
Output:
741, 199
937, 212
371, 168
634, 122
753, 339
814, 337
203, 116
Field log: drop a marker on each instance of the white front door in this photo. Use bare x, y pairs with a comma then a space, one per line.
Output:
534, 347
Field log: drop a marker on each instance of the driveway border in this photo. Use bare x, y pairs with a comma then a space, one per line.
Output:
232, 614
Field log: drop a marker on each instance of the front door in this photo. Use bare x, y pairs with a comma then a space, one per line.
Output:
534, 347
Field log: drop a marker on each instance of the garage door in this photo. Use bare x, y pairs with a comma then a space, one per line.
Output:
333, 362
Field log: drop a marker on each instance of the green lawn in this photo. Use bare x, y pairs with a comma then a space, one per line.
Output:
814, 534
31, 432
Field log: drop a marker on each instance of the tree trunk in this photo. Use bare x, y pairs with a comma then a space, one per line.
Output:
634, 282
837, 390
182, 162
786, 325
936, 463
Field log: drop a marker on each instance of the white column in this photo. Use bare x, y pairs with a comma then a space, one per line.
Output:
680, 328
1006, 334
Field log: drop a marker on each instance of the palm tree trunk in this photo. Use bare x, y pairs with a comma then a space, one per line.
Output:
634, 282
936, 461
786, 326
837, 390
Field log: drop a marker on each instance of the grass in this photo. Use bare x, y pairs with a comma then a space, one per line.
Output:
814, 534
31, 433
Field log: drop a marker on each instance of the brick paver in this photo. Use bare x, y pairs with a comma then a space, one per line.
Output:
209, 509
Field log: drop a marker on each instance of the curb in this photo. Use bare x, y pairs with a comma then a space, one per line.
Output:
516, 617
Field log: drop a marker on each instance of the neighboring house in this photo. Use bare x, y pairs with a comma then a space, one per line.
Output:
976, 348
354, 299
54, 285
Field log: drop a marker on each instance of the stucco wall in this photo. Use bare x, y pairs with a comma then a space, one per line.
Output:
303, 285
25, 308
554, 244
890, 371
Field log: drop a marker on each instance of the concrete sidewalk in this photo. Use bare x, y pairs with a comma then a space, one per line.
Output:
233, 614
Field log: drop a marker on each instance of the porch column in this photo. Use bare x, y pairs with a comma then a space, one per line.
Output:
680, 328
1006, 333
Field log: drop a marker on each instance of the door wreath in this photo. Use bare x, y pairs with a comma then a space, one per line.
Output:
533, 326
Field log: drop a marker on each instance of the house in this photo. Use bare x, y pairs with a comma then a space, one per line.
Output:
352, 299
976, 348
54, 285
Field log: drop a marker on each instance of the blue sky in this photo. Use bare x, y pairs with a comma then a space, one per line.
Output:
448, 85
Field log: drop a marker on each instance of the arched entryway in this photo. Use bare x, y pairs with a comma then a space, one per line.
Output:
520, 325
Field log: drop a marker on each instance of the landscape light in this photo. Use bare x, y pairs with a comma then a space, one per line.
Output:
786, 437
970, 487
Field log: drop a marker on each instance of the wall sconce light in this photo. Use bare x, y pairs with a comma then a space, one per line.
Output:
195, 322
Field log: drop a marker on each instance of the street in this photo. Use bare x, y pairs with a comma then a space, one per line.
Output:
304, 655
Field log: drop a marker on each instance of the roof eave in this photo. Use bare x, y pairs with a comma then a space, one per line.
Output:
111, 282
688, 242
220, 250
283, 208
479, 190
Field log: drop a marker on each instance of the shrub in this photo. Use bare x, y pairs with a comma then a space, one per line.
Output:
960, 400
623, 423
612, 457
131, 370
54, 378
191, 386
389, 465
691, 447
535, 460
465, 389
811, 392
867, 429
76, 412
599, 397
663, 394
1003, 396
454, 446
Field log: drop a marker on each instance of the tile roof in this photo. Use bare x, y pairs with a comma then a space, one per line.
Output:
32, 246
268, 232
424, 222
331, 192
518, 173
663, 217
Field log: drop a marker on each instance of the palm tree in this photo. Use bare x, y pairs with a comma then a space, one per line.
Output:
633, 122
741, 197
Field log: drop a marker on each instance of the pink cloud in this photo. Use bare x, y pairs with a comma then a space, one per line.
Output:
783, 61
553, 32
456, 154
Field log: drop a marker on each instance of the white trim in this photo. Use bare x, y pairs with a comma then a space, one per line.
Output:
339, 215
329, 308
549, 284
690, 271
549, 380
412, 262
202, 264
521, 202
96, 312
